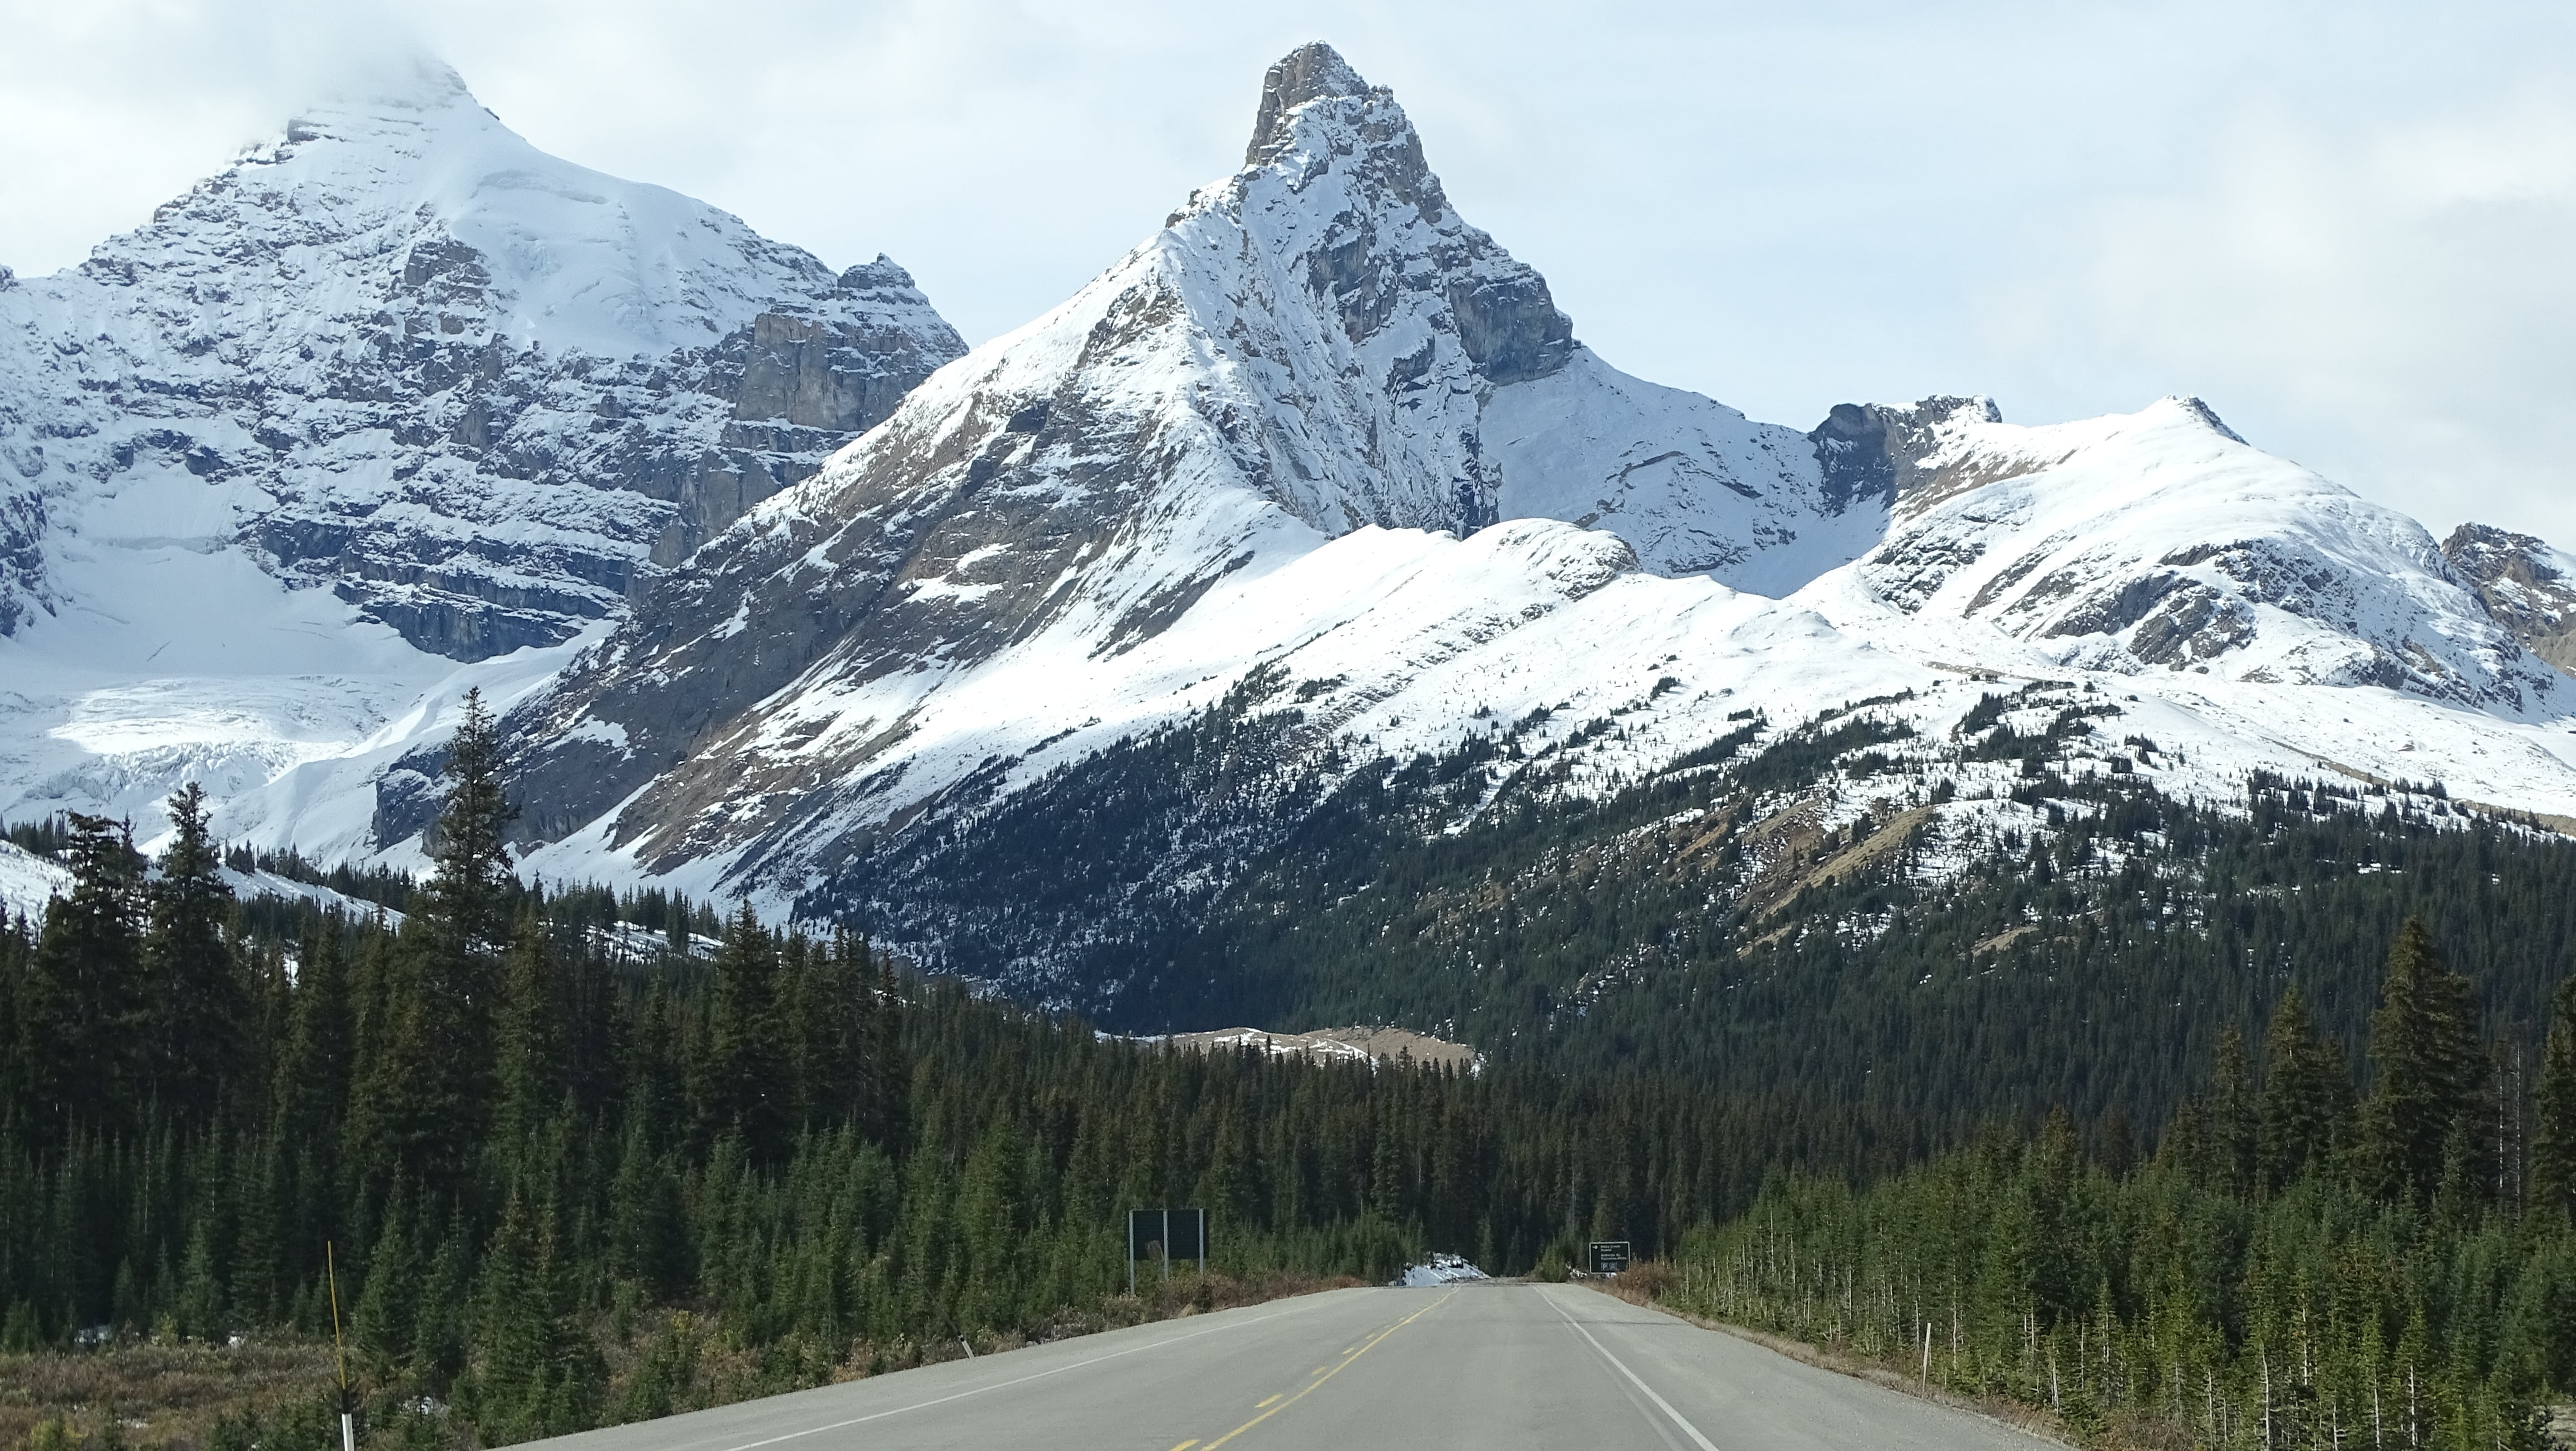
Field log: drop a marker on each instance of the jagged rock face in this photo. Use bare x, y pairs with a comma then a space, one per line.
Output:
2159, 540
1315, 346
2529, 587
479, 392
1875, 451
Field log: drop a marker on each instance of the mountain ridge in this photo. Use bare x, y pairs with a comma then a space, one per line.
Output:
392, 397
1315, 492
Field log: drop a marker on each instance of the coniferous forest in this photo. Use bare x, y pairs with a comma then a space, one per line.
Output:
571, 1159
566, 1182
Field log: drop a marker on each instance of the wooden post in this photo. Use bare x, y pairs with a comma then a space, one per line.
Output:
348, 1425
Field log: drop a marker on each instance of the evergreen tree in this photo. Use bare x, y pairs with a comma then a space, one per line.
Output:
742, 1081
532, 1071
2428, 1071
312, 1087
2553, 1139
197, 1027
81, 1000
2229, 1118
426, 1093
2307, 1095
465, 903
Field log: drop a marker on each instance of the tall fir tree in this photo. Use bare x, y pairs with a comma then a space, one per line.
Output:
426, 1096
530, 1040
81, 1000
2307, 1095
197, 1012
2428, 1076
2553, 1139
465, 902
742, 1080
312, 1087
2230, 1118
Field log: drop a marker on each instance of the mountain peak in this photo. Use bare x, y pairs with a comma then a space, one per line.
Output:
1311, 72
411, 82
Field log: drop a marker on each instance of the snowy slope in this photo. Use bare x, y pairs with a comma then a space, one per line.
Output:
391, 398
27, 881
1315, 347
2160, 541
1316, 449
1321, 427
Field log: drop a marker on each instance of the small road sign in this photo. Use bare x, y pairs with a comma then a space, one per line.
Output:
1609, 1256
1167, 1234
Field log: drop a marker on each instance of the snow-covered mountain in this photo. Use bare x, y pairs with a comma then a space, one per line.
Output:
2162, 541
1320, 427
392, 392
1320, 457
1316, 350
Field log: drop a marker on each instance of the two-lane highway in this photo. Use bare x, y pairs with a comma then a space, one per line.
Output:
1471, 1365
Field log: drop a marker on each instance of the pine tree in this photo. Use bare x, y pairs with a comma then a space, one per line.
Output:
197, 1020
312, 1087
2229, 1119
81, 999
532, 1071
470, 885
742, 1079
831, 1021
2429, 1071
426, 1095
2307, 1095
2553, 1140
887, 1114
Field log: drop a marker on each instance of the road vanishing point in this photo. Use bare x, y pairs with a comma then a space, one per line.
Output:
1482, 1365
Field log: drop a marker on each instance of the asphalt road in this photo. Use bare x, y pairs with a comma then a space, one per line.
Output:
1469, 1365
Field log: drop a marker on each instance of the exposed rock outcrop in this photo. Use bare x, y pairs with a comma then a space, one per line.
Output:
2529, 587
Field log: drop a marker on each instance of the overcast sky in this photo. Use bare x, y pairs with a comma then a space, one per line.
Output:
2351, 227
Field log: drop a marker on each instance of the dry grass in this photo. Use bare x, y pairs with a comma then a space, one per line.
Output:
167, 1397
156, 1395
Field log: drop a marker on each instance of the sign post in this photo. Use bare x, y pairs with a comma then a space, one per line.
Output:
1609, 1256
1170, 1233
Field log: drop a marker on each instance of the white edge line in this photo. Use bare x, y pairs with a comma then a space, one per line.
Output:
1661, 1404
1041, 1375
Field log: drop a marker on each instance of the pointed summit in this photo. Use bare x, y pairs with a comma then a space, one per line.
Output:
1310, 72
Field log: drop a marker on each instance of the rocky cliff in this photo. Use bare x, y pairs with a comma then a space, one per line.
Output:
480, 393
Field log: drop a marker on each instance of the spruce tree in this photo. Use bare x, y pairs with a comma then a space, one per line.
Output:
2428, 1071
2553, 1139
2229, 1116
530, 1040
428, 1093
470, 886
197, 1014
312, 1087
742, 1076
81, 1000
2307, 1094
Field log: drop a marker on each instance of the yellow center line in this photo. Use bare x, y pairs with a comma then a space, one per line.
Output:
1259, 1405
1186, 1445
1319, 1370
1363, 1348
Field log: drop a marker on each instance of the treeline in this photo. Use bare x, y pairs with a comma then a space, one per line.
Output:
2084, 949
2291, 1268
563, 1184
